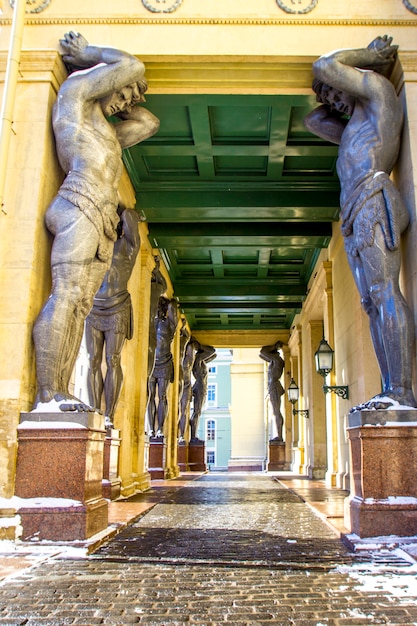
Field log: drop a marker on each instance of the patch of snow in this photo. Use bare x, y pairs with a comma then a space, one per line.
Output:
19, 503
394, 405
399, 585
392, 500
49, 407
27, 424
9, 522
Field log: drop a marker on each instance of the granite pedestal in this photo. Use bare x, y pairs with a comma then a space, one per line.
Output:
383, 451
157, 456
111, 479
197, 456
182, 456
59, 473
276, 461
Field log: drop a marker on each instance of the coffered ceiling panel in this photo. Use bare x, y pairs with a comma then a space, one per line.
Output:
239, 199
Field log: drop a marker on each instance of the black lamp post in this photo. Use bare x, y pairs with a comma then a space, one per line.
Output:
324, 365
293, 393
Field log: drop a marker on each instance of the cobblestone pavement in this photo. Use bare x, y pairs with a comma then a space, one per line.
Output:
224, 549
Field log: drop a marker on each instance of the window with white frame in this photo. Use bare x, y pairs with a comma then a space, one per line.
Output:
210, 430
212, 394
211, 457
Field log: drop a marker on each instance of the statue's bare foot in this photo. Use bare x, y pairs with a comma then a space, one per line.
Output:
388, 400
48, 400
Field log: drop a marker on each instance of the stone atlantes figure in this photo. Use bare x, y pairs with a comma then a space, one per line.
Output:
187, 387
361, 112
110, 321
163, 372
83, 216
272, 355
204, 355
158, 287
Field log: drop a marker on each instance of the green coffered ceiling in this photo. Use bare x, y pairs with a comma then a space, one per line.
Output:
239, 199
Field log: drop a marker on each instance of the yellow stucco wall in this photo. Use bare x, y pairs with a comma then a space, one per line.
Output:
249, 421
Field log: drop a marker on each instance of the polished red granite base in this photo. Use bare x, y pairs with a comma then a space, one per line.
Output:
63, 460
157, 452
111, 480
276, 461
384, 469
182, 456
197, 456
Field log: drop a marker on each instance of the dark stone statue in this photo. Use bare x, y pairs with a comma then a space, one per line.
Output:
187, 386
158, 287
272, 355
361, 112
204, 354
185, 336
110, 321
83, 216
163, 372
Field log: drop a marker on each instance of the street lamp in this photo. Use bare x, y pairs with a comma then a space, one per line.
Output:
293, 393
324, 365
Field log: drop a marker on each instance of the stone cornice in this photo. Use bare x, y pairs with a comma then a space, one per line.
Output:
40, 20
38, 66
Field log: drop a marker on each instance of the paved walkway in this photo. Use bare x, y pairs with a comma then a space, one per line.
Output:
235, 549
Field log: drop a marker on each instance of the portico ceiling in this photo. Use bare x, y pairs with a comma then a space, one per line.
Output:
239, 199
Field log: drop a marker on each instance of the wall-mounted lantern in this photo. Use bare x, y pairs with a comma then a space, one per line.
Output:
293, 394
324, 365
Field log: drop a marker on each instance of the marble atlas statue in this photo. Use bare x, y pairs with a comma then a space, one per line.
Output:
95, 115
361, 112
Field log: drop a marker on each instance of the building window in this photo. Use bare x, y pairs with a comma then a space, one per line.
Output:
211, 394
212, 369
211, 457
211, 430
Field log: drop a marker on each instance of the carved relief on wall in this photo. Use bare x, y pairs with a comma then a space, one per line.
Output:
161, 6
297, 6
411, 6
33, 6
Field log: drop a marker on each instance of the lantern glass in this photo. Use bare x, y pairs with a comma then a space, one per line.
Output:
293, 391
324, 358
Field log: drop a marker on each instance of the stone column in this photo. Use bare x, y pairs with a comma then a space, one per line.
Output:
287, 410
142, 306
332, 415
172, 469
298, 429
315, 444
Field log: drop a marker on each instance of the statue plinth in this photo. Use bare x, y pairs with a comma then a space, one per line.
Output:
197, 455
276, 460
182, 456
60, 471
383, 451
157, 455
111, 479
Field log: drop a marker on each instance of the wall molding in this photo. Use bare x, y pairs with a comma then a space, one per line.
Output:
209, 21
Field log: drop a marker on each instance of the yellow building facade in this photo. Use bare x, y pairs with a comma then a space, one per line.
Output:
194, 47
